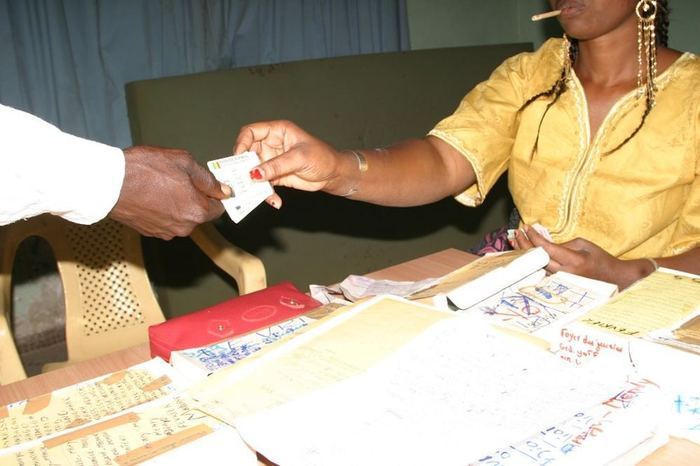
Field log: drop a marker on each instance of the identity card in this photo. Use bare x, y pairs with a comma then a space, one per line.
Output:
247, 194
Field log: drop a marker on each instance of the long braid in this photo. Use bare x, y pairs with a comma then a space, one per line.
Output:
556, 90
661, 25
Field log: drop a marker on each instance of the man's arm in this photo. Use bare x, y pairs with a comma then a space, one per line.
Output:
158, 192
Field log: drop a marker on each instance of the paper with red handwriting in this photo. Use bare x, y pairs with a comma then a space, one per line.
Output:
597, 435
659, 301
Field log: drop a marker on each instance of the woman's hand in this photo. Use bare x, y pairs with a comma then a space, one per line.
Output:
409, 173
291, 157
581, 257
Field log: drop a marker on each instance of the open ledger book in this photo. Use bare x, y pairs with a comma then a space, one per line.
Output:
513, 291
395, 382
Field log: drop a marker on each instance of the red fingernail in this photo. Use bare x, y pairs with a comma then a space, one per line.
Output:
256, 174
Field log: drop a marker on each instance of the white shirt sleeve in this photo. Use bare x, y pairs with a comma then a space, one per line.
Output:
43, 169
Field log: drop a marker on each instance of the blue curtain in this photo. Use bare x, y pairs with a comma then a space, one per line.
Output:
67, 61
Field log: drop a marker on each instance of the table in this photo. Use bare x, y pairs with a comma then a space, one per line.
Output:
677, 452
433, 265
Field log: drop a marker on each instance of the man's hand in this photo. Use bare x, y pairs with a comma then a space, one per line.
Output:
166, 193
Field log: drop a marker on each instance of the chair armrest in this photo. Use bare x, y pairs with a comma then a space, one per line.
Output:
246, 269
11, 368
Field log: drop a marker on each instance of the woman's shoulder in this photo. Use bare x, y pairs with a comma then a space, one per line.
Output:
676, 61
539, 66
550, 54
681, 72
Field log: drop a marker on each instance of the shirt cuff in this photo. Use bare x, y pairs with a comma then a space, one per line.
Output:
97, 173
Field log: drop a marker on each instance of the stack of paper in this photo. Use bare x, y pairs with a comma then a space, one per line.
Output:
617, 330
523, 264
88, 401
138, 415
483, 278
165, 431
684, 334
395, 382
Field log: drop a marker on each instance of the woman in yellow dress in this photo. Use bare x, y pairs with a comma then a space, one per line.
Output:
599, 133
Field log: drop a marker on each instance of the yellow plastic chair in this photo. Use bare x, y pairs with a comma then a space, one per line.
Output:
109, 302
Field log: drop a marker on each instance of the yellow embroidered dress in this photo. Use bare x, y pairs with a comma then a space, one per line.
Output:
642, 200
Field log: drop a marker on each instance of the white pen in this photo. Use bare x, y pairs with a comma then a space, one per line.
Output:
549, 14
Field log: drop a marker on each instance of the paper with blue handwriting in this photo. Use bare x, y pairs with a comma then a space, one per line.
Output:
197, 363
596, 435
685, 421
540, 305
396, 382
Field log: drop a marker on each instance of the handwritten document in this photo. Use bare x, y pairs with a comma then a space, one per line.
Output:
140, 435
200, 362
94, 399
658, 301
541, 307
686, 415
597, 435
394, 384
331, 345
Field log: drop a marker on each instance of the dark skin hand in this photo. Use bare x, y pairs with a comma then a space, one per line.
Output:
581, 257
166, 193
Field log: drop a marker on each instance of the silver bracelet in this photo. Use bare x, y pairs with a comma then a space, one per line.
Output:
362, 166
654, 263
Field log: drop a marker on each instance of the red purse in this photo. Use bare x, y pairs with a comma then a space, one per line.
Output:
230, 318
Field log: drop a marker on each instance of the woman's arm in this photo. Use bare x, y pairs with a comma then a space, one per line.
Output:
581, 257
414, 172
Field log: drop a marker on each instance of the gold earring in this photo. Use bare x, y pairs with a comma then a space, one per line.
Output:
646, 49
566, 59
566, 54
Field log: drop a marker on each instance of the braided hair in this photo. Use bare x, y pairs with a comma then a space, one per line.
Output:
661, 25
